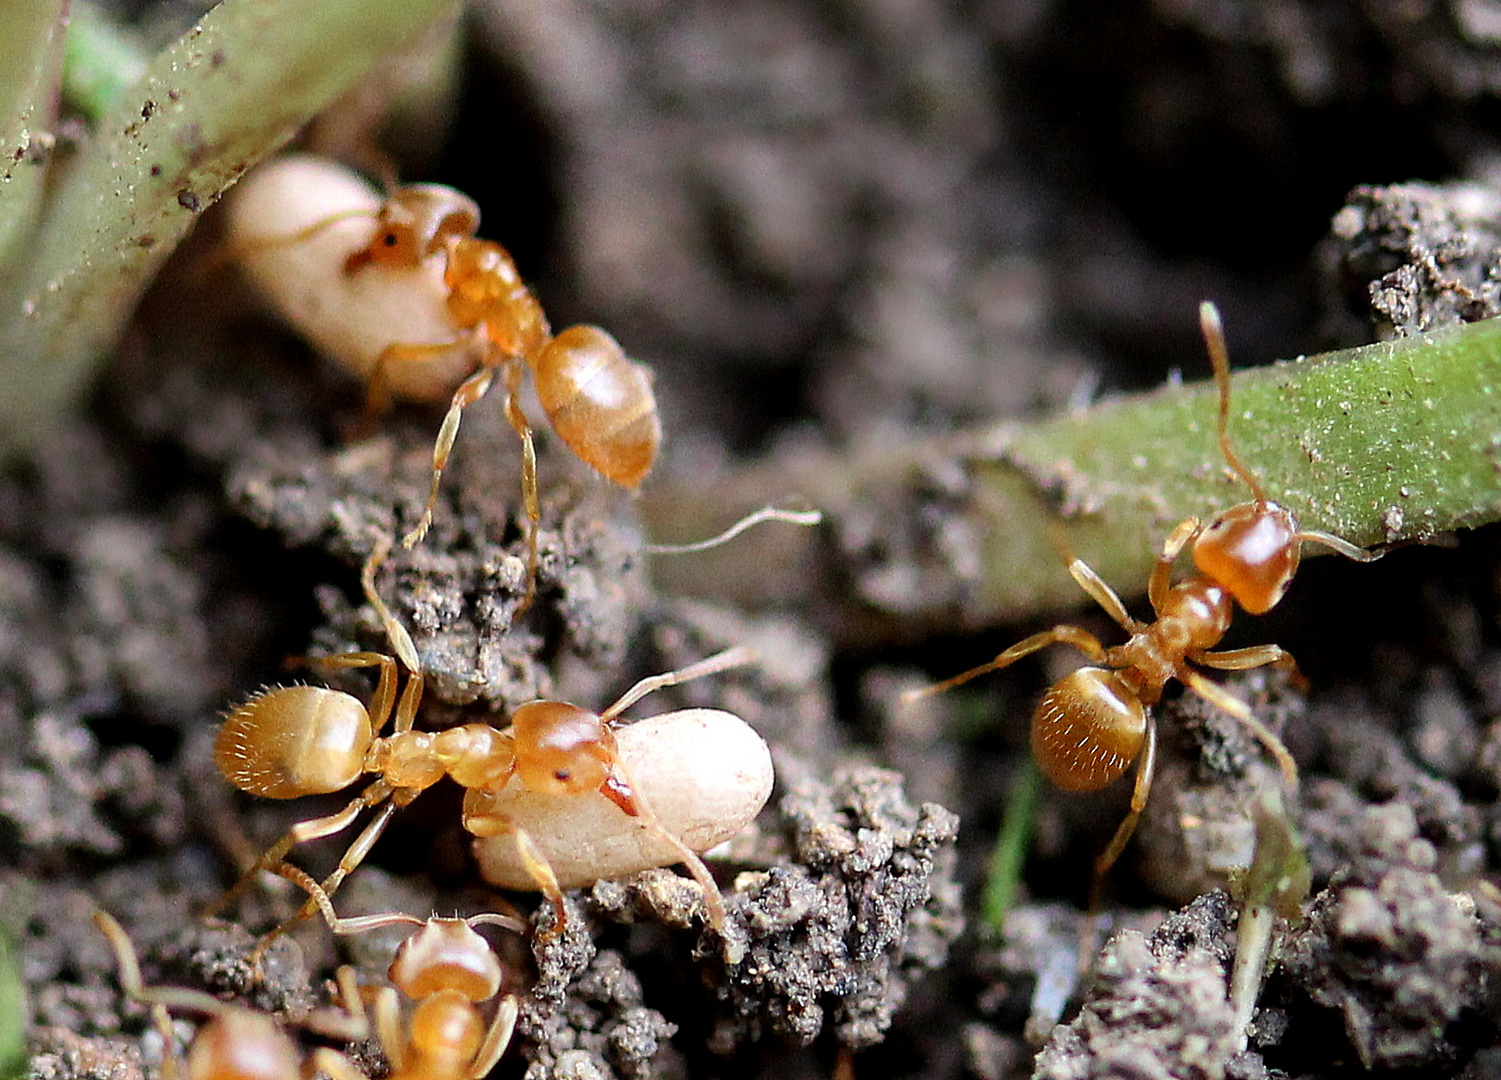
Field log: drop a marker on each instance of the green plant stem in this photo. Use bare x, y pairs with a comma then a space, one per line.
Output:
1391, 442
102, 60
230, 91
1003, 875
31, 59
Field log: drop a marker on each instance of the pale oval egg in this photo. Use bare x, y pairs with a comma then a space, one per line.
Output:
351, 318
705, 774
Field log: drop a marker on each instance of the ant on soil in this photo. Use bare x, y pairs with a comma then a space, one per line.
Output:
1094, 722
421, 302
287, 742
445, 967
447, 970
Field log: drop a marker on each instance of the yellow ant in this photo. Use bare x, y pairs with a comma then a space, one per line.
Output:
288, 742
599, 402
1095, 721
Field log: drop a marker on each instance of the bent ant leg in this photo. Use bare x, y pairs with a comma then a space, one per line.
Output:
469, 391
312, 829
377, 383
1064, 634
1161, 580
1227, 702
1253, 657
482, 822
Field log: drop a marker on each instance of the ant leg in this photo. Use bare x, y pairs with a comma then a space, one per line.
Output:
1225, 701
396, 634
1078, 637
741, 654
529, 498
469, 391
1146, 766
1339, 544
312, 829
384, 698
497, 1038
1255, 656
1102, 594
333, 1064
482, 823
1161, 579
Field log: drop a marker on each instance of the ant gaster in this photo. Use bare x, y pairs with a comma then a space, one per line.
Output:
1094, 722
287, 742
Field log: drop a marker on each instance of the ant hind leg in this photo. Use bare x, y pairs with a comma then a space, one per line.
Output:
1227, 702
1063, 634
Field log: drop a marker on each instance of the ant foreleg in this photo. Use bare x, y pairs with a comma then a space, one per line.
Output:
482, 822
1227, 702
1076, 636
470, 390
1162, 573
497, 1038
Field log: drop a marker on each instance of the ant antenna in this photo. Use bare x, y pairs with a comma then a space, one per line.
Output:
1219, 356
766, 513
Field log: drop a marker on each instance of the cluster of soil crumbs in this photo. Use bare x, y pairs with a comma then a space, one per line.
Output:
844, 225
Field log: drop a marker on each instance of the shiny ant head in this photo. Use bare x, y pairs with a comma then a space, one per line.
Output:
562, 749
416, 221
1251, 549
447, 954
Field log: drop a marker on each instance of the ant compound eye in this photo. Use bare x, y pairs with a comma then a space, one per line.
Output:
390, 239
562, 776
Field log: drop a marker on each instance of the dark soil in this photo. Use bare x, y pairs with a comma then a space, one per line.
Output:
839, 225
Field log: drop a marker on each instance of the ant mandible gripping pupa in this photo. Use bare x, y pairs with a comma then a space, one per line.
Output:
556, 786
1095, 721
401, 292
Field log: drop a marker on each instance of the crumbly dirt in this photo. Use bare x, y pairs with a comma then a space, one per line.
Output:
836, 228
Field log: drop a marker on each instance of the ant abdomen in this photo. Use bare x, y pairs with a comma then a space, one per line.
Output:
294, 741
600, 403
1088, 729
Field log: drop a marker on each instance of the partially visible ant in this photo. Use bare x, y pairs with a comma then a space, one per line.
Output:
447, 971
1095, 721
599, 402
287, 742
235, 1042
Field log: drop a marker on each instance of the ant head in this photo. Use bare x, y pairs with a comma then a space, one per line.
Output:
561, 748
447, 954
1252, 551
1087, 729
242, 1043
293, 741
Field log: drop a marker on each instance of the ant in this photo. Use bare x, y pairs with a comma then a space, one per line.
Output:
447, 970
234, 1043
287, 742
599, 402
1095, 721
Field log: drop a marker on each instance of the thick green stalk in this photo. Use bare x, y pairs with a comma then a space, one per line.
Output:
1389, 442
31, 59
230, 91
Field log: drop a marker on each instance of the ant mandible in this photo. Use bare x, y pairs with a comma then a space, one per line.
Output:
235, 1042
1095, 721
287, 742
423, 272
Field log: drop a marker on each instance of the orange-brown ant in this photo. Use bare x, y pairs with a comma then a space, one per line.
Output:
287, 742
599, 402
235, 1043
1094, 722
